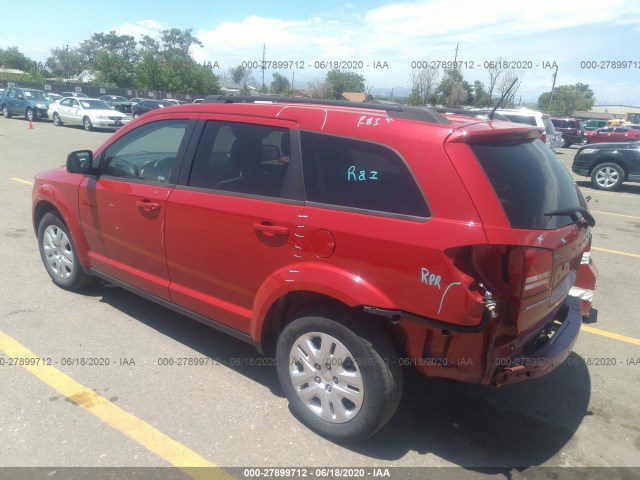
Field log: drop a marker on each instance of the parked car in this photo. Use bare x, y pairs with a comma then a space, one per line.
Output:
121, 104
316, 231
572, 130
29, 103
74, 94
148, 105
537, 119
89, 112
611, 134
198, 100
54, 97
595, 124
608, 164
634, 127
136, 100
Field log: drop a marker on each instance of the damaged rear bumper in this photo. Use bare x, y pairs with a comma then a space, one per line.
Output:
549, 356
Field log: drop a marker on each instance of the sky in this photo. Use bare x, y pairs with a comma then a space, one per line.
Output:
390, 35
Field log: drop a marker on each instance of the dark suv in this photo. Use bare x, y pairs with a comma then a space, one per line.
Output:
347, 240
572, 130
608, 164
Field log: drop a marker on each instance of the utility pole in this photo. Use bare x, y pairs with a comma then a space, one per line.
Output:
552, 87
263, 54
453, 81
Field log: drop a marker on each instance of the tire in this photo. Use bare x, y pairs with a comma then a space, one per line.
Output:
607, 176
135, 115
342, 380
565, 142
5, 112
56, 119
58, 254
584, 140
86, 123
30, 115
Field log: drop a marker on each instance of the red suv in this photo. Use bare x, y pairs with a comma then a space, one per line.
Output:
347, 240
611, 134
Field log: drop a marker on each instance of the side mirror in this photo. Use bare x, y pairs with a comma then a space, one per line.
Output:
80, 161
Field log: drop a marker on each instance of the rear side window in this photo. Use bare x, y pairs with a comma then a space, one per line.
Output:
244, 159
529, 182
359, 175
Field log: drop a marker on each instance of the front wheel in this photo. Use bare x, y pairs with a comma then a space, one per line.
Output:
342, 379
86, 123
584, 140
59, 255
607, 176
56, 120
30, 115
565, 142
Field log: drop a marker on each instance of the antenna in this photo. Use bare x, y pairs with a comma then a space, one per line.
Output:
504, 95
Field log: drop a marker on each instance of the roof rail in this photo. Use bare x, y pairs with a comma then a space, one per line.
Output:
423, 114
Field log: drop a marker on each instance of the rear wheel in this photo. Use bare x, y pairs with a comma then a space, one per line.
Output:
565, 142
56, 119
59, 254
342, 379
607, 176
86, 123
5, 112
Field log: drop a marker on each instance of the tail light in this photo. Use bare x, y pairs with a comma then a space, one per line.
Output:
533, 267
543, 137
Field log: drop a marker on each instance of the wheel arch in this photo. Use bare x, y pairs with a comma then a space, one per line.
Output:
50, 200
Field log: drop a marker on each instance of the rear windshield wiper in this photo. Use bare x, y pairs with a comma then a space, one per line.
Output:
571, 212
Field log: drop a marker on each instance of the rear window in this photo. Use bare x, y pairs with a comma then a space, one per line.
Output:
529, 182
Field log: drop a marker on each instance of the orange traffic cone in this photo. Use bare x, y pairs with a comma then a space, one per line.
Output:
30, 125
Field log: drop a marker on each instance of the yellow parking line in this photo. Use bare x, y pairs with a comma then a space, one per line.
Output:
616, 214
26, 182
615, 336
617, 252
138, 430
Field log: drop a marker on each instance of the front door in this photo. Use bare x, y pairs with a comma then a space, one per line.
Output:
123, 209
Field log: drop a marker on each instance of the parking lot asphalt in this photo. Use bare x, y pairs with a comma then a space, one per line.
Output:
134, 409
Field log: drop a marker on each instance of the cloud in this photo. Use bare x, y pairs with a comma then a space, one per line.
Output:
140, 28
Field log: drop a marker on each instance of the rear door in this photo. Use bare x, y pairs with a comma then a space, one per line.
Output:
230, 226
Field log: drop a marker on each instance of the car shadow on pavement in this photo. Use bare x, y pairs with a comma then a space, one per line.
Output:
473, 426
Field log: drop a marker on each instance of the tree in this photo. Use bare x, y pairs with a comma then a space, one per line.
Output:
338, 82
318, 89
166, 64
507, 78
243, 77
66, 62
423, 81
567, 99
280, 84
112, 56
480, 95
453, 90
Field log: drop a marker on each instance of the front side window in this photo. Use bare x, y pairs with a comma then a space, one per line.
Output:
242, 158
147, 153
351, 173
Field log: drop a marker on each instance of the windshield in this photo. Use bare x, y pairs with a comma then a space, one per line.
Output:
35, 95
94, 105
120, 99
529, 182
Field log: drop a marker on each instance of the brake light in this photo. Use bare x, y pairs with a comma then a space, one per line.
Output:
543, 137
534, 266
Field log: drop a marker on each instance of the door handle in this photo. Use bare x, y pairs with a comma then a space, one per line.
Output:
271, 229
148, 205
